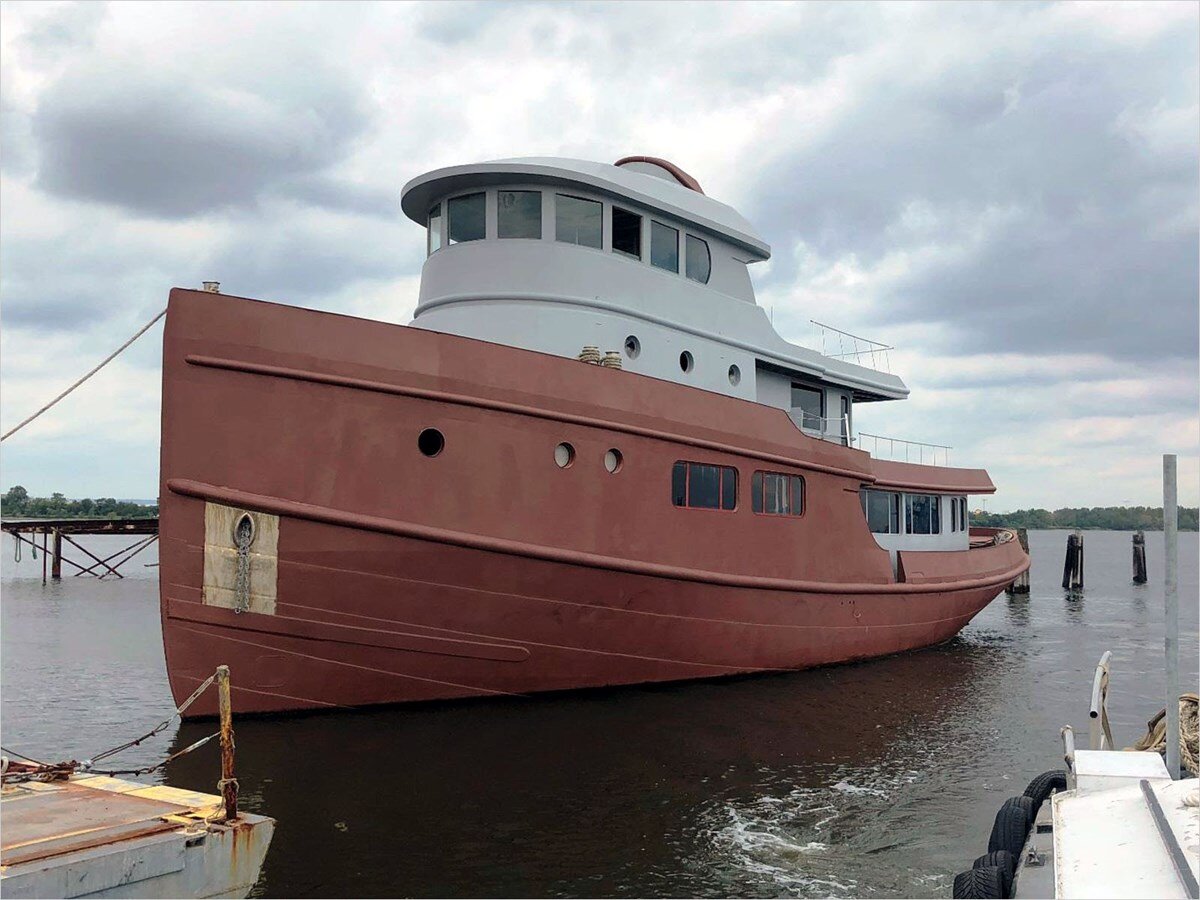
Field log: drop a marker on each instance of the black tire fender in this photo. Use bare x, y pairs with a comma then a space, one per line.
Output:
1005, 862
1040, 788
1012, 825
986, 881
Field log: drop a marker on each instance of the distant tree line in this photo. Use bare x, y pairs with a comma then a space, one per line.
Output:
16, 503
1113, 518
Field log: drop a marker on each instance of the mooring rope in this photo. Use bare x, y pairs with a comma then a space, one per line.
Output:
102, 364
1155, 738
69, 767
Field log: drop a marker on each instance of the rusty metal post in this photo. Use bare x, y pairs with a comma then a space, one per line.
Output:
229, 786
56, 562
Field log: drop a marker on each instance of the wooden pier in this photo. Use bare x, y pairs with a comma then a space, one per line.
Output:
54, 531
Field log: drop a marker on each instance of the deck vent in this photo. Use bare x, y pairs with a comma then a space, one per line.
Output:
213, 287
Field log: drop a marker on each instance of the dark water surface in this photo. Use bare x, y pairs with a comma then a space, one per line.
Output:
875, 779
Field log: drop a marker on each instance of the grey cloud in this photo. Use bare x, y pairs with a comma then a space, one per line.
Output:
344, 196
1078, 256
174, 146
68, 28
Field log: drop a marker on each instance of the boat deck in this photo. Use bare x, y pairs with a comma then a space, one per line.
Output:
90, 834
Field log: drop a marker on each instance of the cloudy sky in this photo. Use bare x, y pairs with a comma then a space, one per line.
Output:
1006, 193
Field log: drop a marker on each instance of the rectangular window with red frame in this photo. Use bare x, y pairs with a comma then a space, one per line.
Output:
703, 486
777, 494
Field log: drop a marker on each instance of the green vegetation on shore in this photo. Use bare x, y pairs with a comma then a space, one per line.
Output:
1111, 518
16, 503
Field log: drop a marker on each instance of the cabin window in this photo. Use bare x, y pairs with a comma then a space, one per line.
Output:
466, 218
578, 221
811, 403
664, 246
435, 229
701, 486
922, 514
882, 509
845, 420
777, 494
519, 214
698, 262
626, 232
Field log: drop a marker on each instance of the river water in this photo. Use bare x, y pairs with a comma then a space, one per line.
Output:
873, 779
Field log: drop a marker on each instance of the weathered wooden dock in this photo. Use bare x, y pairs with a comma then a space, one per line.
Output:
54, 531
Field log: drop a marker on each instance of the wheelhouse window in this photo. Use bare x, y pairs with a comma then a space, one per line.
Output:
777, 494
882, 509
701, 486
578, 221
626, 232
519, 214
664, 246
811, 403
467, 218
435, 229
698, 262
922, 514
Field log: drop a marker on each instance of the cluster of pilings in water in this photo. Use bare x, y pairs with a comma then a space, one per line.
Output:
1073, 562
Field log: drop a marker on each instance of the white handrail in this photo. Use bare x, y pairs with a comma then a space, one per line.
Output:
921, 451
860, 347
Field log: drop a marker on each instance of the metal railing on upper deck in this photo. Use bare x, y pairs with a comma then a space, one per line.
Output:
827, 428
838, 344
908, 451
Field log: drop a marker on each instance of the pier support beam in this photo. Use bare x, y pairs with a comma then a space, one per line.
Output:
1020, 584
1073, 564
56, 560
1139, 557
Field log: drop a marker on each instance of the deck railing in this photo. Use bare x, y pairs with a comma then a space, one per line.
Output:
827, 428
900, 449
838, 344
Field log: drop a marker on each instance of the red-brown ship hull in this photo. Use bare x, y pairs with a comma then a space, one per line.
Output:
487, 569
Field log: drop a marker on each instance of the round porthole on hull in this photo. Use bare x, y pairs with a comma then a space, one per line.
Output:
564, 455
613, 460
735, 376
431, 442
686, 362
632, 346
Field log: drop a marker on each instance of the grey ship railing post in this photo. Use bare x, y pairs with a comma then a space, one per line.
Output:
1171, 604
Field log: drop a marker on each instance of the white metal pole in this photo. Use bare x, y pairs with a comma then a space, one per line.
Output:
1171, 604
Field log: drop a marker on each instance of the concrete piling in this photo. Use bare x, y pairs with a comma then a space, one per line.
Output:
1073, 564
1139, 557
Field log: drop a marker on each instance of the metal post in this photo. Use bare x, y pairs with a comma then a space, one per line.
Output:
43, 554
56, 563
1171, 604
229, 786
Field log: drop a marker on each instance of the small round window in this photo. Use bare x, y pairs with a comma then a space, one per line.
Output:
564, 455
686, 362
735, 376
632, 346
613, 460
430, 442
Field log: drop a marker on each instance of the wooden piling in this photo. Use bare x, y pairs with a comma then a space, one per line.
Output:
1139, 557
56, 561
1073, 563
229, 785
1020, 584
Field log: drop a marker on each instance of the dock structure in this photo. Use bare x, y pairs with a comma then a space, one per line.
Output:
54, 531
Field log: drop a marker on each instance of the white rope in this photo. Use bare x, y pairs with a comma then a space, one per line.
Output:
104, 363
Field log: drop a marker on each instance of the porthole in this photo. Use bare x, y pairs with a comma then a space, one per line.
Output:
632, 346
613, 460
735, 376
686, 362
564, 455
430, 442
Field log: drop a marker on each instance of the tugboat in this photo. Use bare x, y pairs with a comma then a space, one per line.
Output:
589, 461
